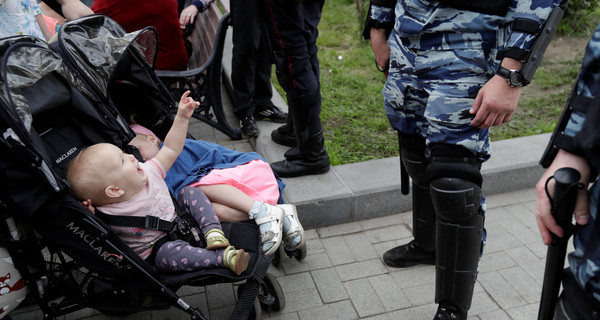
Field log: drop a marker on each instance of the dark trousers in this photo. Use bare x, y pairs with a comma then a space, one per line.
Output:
574, 303
293, 35
251, 62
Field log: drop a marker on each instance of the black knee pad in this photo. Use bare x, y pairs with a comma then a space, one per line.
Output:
447, 160
455, 182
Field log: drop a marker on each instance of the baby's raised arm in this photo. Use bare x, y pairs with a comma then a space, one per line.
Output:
175, 139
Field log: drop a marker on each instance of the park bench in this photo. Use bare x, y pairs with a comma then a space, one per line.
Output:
204, 75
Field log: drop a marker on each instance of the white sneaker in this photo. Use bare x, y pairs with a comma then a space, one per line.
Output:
270, 224
293, 233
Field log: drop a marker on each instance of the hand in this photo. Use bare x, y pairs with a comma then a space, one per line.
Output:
495, 103
187, 105
188, 15
88, 205
545, 220
380, 48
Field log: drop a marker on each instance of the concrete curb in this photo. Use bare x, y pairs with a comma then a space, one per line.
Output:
371, 189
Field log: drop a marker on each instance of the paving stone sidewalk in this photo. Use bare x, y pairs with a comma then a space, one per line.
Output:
343, 276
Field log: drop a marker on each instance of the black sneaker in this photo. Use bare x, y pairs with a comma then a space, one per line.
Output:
271, 113
408, 255
249, 127
449, 313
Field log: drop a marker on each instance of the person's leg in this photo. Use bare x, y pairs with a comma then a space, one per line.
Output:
246, 40
228, 195
574, 302
180, 256
268, 218
292, 28
200, 208
421, 250
229, 214
263, 90
405, 101
456, 152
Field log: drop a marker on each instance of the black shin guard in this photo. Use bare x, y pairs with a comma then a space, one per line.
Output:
412, 153
458, 235
423, 218
456, 193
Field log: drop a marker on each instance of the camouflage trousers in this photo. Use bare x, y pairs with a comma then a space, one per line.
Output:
584, 261
430, 92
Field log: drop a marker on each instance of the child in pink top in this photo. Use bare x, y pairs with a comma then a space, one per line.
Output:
119, 185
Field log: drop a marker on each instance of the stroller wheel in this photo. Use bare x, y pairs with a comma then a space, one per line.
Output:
270, 294
256, 312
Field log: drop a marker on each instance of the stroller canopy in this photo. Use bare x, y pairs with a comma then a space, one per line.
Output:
96, 44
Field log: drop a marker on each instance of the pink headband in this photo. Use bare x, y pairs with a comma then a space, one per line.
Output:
142, 130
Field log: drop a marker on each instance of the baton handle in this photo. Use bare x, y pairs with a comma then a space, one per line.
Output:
563, 204
565, 195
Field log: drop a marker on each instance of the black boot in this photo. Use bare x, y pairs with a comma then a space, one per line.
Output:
309, 156
284, 135
408, 255
314, 160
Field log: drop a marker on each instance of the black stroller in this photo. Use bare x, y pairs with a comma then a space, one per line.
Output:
53, 105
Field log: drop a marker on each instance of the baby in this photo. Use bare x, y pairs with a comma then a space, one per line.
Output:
120, 185
240, 186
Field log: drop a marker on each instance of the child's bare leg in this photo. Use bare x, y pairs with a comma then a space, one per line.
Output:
228, 195
268, 218
228, 214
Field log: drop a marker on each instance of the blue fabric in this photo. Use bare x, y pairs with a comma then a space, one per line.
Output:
199, 157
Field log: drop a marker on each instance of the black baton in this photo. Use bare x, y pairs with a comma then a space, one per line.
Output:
563, 204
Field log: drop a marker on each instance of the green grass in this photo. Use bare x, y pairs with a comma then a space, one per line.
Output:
355, 126
354, 122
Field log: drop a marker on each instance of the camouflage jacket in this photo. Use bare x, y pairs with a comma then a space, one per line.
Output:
431, 25
583, 127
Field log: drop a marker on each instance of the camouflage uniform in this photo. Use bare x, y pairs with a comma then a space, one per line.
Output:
585, 261
440, 57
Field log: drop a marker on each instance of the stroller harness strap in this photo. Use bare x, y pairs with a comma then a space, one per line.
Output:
147, 222
178, 229
181, 228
